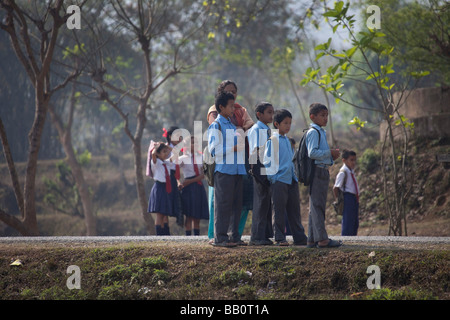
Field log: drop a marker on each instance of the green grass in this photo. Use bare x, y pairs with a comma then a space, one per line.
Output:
199, 271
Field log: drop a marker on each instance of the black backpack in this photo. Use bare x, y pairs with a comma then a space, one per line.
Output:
339, 204
305, 165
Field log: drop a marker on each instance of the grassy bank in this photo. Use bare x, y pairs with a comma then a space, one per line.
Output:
167, 271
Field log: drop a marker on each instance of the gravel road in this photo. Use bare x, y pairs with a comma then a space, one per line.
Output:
369, 241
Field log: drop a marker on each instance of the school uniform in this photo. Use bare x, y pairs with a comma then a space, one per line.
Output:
194, 202
262, 198
350, 219
174, 176
242, 120
284, 184
228, 183
321, 153
162, 195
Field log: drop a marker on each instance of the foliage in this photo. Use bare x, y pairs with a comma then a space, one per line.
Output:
358, 123
61, 193
369, 161
419, 32
201, 272
400, 294
84, 158
397, 182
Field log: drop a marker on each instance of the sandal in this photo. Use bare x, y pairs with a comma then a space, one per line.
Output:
331, 244
241, 243
282, 243
224, 244
311, 245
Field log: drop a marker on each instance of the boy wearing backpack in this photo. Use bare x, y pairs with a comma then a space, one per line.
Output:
323, 156
262, 201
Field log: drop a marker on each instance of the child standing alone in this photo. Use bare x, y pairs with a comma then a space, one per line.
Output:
346, 182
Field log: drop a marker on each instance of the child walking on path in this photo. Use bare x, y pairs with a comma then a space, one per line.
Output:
229, 170
262, 202
346, 182
324, 157
284, 182
194, 203
161, 200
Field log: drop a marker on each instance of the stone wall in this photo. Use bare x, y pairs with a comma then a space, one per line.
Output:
428, 108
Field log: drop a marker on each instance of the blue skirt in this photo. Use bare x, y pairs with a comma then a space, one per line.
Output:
194, 202
162, 202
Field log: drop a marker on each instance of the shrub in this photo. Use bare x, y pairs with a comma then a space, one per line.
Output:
368, 162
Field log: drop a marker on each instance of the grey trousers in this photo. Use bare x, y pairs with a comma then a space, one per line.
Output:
286, 202
228, 193
317, 205
262, 212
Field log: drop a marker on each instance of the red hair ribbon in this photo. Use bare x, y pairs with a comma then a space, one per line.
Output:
165, 133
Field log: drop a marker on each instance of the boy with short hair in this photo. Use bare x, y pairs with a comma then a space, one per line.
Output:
284, 183
346, 182
229, 169
324, 157
262, 203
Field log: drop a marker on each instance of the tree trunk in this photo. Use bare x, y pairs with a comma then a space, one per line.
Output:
82, 186
34, 142
140, 184
40, 78
66, 140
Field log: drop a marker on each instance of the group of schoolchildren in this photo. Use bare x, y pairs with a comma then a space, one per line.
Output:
267, 158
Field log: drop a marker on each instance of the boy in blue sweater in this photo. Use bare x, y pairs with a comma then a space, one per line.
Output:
229, 153
284, 183
262, 200
324, 157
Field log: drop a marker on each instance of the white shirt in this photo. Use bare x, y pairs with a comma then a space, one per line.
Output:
159, 174
171, 165
187, 165
349, 185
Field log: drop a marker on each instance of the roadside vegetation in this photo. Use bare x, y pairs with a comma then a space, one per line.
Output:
173, 271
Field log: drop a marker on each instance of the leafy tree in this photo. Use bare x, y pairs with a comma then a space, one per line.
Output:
396, 180
420, 33
162, 33
33, 32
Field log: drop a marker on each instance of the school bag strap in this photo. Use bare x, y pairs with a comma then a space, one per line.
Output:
317, 130
305, 165
255, 169
345, 178
209, 162
339, 204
